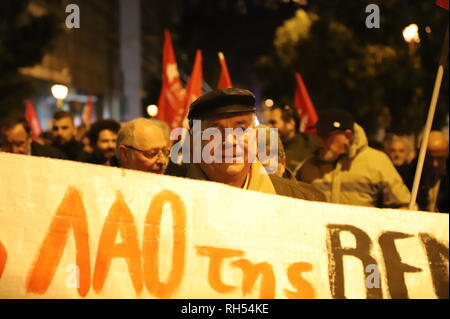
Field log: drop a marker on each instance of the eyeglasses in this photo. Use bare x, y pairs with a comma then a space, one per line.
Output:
152, 153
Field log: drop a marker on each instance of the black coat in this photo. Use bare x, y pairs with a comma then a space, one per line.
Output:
46, 151
73, 150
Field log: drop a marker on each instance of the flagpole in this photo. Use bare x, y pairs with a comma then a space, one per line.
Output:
429, 122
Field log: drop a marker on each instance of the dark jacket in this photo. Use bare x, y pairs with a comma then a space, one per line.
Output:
73, 150
297, 149
97, 157
280, 185
300, 190
428, 183
46, 151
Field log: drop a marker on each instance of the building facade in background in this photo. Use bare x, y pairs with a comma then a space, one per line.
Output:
88, 60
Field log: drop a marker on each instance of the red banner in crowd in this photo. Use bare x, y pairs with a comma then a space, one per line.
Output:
305, 106
224, 79
442, 4
194, 86
172, 97
32, 119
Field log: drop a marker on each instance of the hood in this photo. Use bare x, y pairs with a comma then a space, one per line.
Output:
359, 141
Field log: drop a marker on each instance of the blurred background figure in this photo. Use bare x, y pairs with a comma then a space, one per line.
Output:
103, 137
85, 140
399, 151
433, 189
64, 131
46, 138
142, 145
298, 146
281, 170
16, 138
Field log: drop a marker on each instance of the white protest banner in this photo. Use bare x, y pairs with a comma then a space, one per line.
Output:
73, 230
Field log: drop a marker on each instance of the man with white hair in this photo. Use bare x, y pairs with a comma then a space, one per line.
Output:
142, 145
399, 152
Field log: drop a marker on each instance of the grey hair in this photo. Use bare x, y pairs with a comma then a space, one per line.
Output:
396, 138
165, 128
126, 132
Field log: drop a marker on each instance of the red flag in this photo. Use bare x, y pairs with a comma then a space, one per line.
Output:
171, 99
33, 120
86, 116
224, 79
305, 106
194, 85
442, 4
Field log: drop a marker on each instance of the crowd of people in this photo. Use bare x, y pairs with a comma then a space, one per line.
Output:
336, 164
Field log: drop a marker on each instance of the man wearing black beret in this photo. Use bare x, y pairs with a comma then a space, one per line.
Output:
233, 109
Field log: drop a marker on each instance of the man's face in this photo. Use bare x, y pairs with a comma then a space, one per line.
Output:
107, 143
149, 152
398, 153
274, 119
435, 160
64, 130
17, 140
227, 168
334, 145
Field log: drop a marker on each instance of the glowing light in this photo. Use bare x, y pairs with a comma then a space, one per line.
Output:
59, 91
427, 29
411, 33
152, 110
268, 103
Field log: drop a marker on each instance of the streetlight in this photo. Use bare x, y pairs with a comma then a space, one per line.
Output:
411, 33
152, 110
59, 92
268, 102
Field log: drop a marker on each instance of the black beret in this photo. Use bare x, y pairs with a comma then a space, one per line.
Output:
222, 102
334, 119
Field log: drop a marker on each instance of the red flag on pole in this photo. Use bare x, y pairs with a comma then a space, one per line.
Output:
194, 85
172, 96
33, 120
442, 4
224, 79
86, 116
305, 106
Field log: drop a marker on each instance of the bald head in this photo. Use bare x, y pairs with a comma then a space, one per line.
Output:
142, 145
437, 142
437, 153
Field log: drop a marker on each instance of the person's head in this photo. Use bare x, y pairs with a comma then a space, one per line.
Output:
63, 127
46, 138
141, 145
334, 134
280, 159
165, 128
437, 153
87, 146
103, 136
230, 108
16, 137
398, 150
285, 118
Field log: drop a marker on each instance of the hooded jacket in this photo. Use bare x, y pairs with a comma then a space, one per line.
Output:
364, 176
